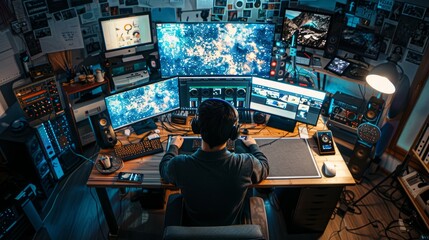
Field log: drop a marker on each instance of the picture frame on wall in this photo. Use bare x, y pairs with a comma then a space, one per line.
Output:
418, 40
413, 11
385, 46
418, 46
413, 57
388, 29
396, 53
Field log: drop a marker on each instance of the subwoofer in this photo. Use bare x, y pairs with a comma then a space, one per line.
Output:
104, 134
359, 161
333, 41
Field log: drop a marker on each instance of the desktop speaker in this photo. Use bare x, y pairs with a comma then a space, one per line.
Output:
278, 68
153, 64
103, 130
259, 117
373, 110
359, 161
333, 41
326, 105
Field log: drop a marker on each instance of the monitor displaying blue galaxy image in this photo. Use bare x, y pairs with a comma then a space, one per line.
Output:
312, 27
144, 102
215, 49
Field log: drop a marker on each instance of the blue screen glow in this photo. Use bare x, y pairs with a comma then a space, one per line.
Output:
202, 49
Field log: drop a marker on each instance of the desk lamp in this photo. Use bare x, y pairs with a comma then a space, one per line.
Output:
385, 77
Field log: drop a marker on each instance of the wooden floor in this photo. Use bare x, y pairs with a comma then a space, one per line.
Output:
76, 213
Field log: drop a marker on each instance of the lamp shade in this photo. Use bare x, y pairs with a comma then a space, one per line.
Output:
384, 77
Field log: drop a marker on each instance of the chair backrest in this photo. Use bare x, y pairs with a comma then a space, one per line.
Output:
258, 229
238, 232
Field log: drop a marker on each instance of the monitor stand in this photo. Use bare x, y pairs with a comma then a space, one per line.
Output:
144, 126
281, 123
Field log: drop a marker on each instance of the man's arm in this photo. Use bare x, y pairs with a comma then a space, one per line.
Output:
166, 169
260, 164
261, 167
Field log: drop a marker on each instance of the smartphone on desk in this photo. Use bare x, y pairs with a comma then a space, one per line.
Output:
130, 177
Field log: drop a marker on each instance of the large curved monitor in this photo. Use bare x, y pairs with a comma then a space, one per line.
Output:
126, 31
312, 27
286, 100
145, 102
215, 49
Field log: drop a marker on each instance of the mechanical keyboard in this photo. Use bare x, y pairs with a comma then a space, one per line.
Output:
140, 149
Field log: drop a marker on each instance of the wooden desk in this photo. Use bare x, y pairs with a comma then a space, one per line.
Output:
149, 167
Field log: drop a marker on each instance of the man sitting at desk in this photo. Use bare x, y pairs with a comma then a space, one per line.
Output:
214, 181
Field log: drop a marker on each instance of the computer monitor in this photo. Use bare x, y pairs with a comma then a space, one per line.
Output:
312, 27
124, 33
215, 48
142, 103
286, 100
363, 42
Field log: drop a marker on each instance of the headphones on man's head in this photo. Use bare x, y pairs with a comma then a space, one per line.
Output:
235, 130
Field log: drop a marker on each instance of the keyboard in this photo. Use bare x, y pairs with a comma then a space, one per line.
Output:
140, 149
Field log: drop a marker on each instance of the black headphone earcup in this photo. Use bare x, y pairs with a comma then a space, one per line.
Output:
235, 132
195, 125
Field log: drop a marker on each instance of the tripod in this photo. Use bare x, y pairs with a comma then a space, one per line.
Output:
396, 173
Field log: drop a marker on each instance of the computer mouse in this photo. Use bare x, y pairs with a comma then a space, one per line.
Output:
245, 131
329, 169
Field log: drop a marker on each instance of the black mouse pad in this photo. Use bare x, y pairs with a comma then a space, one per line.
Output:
289, 158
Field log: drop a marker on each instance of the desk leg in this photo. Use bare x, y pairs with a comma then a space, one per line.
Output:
324, 82
107, 210
318, 80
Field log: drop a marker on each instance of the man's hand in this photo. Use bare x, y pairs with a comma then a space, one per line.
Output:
248, 141
177, 140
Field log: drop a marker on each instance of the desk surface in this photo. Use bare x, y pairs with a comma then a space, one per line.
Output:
149, 165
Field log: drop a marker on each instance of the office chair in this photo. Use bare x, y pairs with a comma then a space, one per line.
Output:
174, 229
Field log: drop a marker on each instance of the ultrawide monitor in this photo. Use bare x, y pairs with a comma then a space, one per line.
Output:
145, 102
215, 49
286, 100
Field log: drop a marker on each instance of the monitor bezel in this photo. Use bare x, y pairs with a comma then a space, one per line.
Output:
283, 15
140, 14
206, 23
148, 117
291, 86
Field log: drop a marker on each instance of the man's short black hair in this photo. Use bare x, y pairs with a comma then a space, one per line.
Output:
217, 119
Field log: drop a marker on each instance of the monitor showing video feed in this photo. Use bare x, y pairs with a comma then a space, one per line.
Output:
143, 103
363, 42
126, 31
312, 27
286, 100
215, 49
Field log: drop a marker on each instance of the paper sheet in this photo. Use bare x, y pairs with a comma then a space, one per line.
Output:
66, 35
